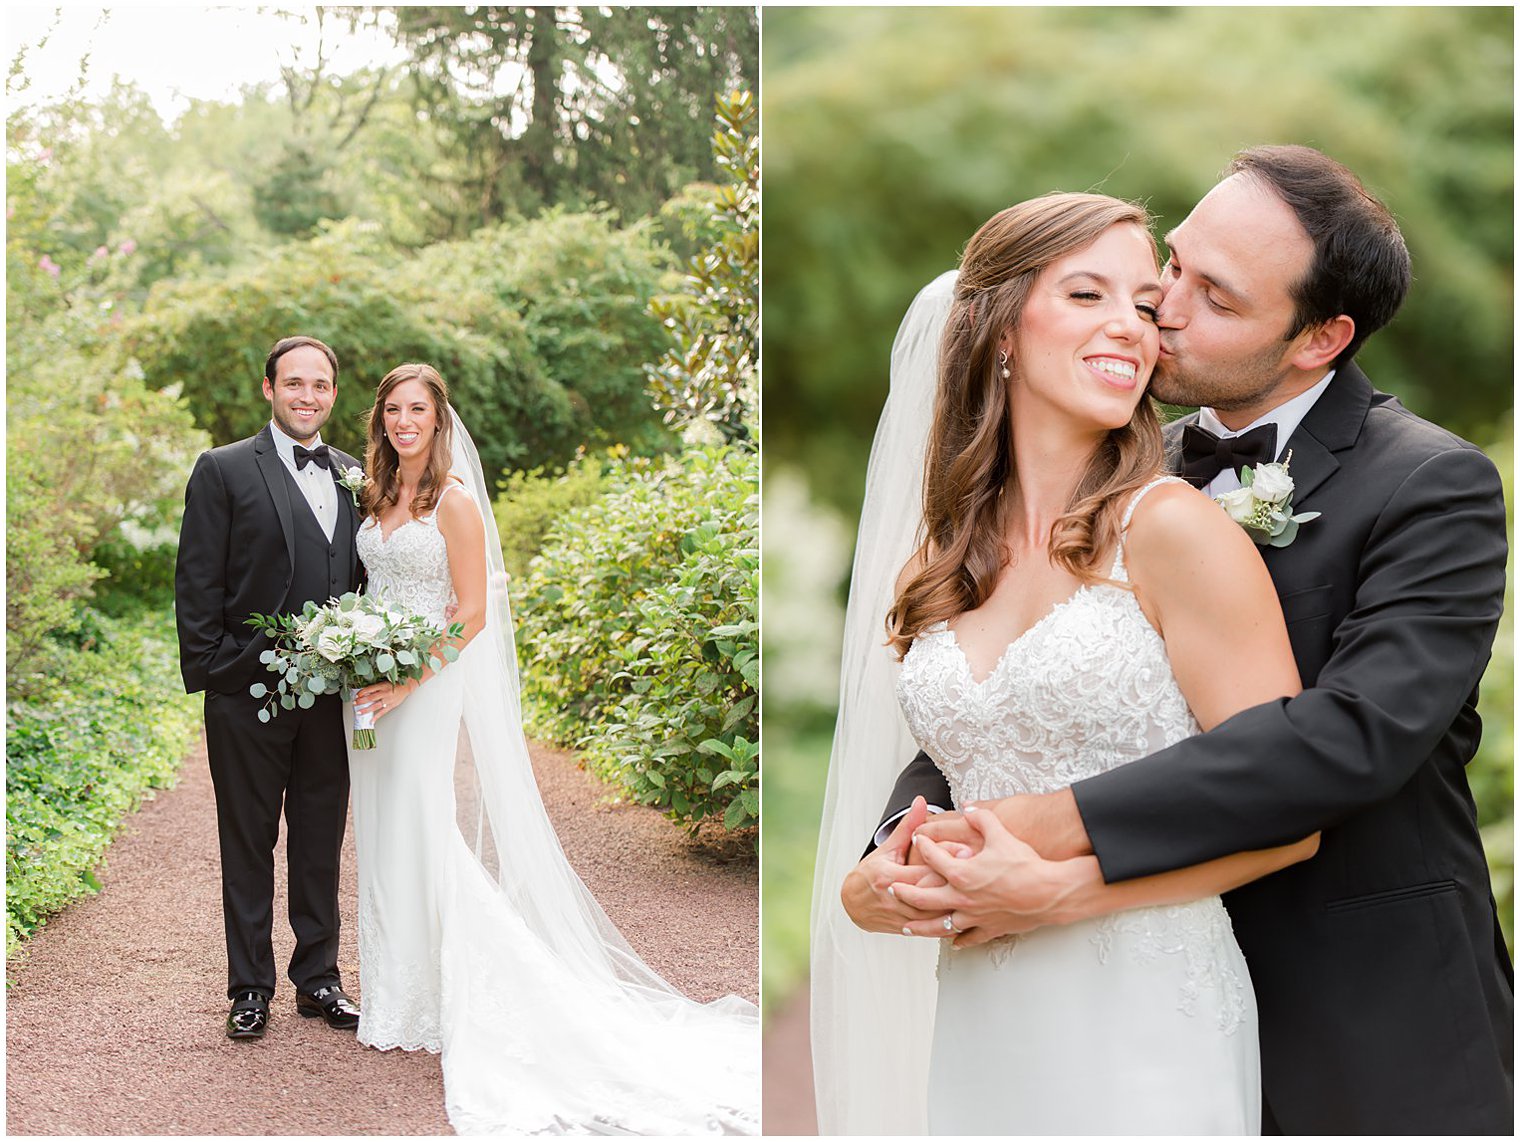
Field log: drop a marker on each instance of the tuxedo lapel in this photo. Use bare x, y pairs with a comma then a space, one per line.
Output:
1332, 425
273, 472
348, 516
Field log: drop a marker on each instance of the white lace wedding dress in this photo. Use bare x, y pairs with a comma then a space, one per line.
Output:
538, 1033
1142, 1022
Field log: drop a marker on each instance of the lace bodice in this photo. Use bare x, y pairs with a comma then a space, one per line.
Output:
1086, 689
410, 567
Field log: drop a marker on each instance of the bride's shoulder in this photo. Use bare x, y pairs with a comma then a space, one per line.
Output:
1176, 529
455, 505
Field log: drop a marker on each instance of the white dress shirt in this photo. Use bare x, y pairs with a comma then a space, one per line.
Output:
1287, 416
315, 481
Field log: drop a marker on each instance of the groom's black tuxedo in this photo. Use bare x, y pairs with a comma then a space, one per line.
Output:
250, 543
1383, 983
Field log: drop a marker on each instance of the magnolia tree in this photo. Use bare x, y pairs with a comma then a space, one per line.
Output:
710, 376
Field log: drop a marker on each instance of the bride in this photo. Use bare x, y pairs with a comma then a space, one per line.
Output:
1051, 612
498, 957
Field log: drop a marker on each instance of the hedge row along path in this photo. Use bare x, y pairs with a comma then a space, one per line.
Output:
115, 1011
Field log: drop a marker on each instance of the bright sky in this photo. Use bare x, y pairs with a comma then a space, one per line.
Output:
176, 52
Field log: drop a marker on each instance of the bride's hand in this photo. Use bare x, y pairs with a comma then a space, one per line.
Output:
381, 698
1006, 887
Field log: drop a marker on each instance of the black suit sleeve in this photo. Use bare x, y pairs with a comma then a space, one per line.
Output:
920, 778
1402, 662
200, 575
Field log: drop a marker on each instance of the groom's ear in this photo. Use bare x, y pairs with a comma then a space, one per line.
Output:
1323, 343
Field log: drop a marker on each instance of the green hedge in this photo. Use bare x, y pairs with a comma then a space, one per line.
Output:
530, 502
82, 753
639, 635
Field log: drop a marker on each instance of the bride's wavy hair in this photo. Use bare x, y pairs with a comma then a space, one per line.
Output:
969, 465
382, 465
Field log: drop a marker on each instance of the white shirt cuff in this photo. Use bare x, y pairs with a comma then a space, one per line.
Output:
891, 823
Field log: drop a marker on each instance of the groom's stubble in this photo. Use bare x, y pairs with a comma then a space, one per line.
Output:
1224, 384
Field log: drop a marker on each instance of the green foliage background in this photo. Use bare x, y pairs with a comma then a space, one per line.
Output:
891, 134
638, 634
398, 213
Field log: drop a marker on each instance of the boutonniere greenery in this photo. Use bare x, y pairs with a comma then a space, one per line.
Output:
1263, 504
353, 479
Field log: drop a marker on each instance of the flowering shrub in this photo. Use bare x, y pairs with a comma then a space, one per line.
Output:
639, 636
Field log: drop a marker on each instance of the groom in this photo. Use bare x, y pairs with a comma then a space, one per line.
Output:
1384, 988
267, 529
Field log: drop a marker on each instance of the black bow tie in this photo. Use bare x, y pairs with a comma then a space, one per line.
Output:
1205, 455
317, 456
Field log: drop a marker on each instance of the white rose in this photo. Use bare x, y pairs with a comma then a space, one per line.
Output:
331, 644
1239, 504
355, 475
1272, 483
369, 627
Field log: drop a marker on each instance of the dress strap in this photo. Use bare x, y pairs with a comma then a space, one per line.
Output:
1118, 573
448, 486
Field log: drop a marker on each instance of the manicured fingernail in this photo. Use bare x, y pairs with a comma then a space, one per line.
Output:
907, 931
972, 809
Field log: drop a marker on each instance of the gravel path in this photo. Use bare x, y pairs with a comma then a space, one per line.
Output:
787, 1072
114, 1017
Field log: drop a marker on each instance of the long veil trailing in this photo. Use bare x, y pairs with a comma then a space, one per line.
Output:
614, 1046
874, 995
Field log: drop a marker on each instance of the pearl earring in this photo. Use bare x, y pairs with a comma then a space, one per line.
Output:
1003, 363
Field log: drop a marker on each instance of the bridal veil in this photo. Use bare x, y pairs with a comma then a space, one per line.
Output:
874, 995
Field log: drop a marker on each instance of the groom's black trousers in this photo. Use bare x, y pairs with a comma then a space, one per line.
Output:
256, 768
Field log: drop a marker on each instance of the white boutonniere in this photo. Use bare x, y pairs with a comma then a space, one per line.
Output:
1263, 504
353, 479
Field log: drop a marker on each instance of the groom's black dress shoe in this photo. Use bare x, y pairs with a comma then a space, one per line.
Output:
331, 1004
248, 1017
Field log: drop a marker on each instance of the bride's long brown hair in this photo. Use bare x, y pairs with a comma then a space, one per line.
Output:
969, 467
382, 487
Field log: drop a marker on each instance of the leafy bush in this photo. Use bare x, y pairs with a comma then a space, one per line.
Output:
530, 502
540, 329
710, 375
91, 450
81, 754
639, 634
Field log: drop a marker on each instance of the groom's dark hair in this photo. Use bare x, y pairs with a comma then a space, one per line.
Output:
286, 344
1360, 266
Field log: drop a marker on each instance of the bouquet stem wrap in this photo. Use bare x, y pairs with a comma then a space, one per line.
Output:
364, 729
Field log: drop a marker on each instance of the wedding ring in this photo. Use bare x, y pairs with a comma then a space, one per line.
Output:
950, 927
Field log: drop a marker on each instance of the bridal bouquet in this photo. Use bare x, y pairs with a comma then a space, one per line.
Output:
337, 648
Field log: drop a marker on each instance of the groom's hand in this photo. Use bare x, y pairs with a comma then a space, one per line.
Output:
869, 891
1002, 888
1049, 823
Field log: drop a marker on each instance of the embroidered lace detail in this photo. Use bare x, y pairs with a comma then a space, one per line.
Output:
1086, 689
1199, 931
410, 567
401, 1002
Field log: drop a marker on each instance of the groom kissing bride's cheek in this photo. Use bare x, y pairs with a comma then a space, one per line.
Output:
1383, 989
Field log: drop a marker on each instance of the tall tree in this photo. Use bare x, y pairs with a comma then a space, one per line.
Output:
574, 105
